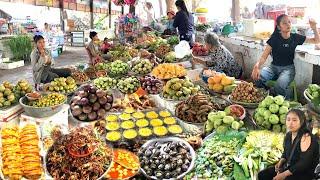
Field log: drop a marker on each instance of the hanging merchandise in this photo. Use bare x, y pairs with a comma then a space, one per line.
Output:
127, 25
118, 2
130, 2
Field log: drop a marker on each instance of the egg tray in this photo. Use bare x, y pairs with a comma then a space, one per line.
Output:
136, 128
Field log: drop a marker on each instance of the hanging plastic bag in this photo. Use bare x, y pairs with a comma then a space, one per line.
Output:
182, 49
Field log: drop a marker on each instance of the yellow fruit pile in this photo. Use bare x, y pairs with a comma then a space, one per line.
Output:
201, 10
221, 83
168, 71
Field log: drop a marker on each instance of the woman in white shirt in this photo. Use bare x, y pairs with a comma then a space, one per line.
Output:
150, 14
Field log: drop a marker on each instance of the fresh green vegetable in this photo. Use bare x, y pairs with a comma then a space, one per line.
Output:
222, 129
215, 158
238, 173
276, 128
235, 125
266, 114
228, 119
279, 100
170, 57
283, 110
269, 100
274, 108
261, 148
274, 119
173, 40
221, 122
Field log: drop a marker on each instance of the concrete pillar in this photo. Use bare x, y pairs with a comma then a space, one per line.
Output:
170, 5
91, 14
109, 10
235, 12
132, 9
61, 15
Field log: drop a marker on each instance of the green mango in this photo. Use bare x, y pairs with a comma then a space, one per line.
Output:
229, 88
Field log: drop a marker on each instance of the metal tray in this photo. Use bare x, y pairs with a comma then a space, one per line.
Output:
100, 178
264, 92
171, 139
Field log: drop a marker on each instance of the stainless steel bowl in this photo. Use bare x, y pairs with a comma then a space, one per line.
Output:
40, 112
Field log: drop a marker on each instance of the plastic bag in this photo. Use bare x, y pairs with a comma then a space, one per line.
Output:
182, 49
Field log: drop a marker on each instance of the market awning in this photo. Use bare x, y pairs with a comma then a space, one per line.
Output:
5, 15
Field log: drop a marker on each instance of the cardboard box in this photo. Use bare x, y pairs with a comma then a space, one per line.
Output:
11, 113
11, 65
60, 118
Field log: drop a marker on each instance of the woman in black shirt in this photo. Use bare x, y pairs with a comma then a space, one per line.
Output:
281, 45
184, 22
302, 145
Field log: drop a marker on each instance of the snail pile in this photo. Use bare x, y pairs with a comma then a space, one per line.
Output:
165, 160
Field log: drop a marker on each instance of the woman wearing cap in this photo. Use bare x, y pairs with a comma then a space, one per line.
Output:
301, 152
220, 58
170, 26
184, 22
94, 48
42, 62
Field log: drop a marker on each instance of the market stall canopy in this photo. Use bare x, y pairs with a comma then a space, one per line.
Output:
5, 15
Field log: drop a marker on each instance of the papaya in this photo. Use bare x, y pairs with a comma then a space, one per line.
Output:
217, 78
211, 80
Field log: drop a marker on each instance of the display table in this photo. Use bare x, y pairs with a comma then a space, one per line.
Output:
11, 114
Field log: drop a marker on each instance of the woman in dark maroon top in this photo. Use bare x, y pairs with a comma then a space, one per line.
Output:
301, 152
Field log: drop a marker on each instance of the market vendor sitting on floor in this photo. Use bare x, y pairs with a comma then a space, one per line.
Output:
105, 47
281, 46
95, 49
301, 152
219, 59
42, 63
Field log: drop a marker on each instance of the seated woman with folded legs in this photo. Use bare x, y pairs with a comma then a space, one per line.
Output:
42, 64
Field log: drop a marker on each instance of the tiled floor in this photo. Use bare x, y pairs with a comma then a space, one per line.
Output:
71, 56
